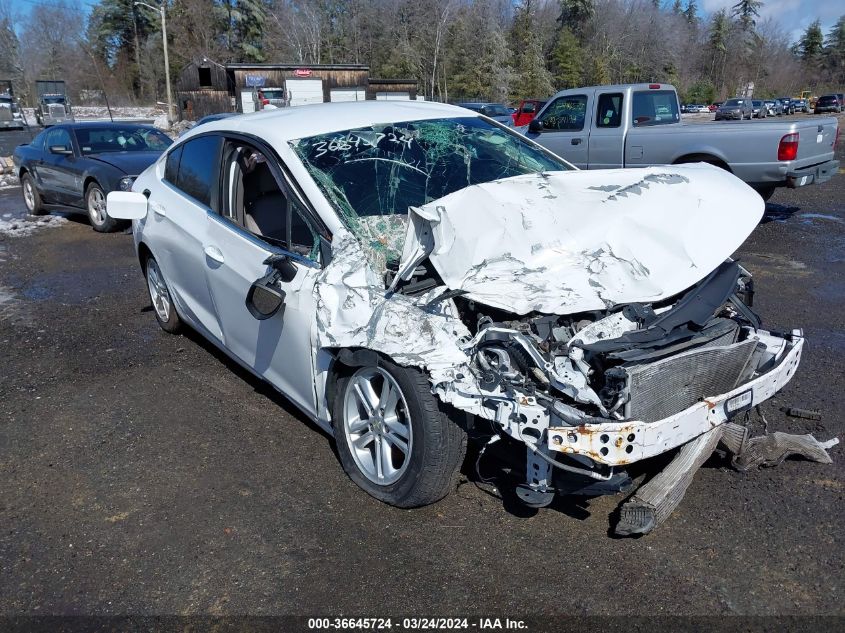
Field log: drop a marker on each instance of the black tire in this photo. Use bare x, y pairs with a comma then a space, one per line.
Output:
31, 197
437, 445
766, 192
169, 322
95, 204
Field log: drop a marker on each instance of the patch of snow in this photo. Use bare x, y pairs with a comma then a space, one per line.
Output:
28, 226
161, 122
8, 181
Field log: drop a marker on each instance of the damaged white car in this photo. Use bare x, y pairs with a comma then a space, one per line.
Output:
403, 272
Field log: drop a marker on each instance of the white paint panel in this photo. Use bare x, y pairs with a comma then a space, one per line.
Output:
339, 95
247, 104
393, 96
305, 91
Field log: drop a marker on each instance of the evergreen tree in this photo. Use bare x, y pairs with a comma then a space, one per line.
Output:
747, 12
811, 43
717, 41
531, 78
834, 51
116, 30
10, 57
575, 14
691, 13
249, 30
566, 60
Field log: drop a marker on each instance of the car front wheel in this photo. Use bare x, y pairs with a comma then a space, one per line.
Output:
392, 436
160, 297
31, 197
95, 202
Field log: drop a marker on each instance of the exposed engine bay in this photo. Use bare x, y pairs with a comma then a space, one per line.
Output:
580, 390
591, 339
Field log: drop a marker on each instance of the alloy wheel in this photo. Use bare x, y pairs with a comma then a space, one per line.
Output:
159, 294
97, 206
377, 425
28, 195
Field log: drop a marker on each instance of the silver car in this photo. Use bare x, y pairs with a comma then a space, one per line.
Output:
735, 109
407, 272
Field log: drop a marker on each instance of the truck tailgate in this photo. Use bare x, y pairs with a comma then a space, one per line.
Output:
815, 142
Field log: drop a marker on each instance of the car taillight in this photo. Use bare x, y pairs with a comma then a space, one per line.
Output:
654, 86
788, 147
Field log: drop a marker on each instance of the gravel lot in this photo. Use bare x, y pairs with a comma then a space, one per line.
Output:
145, 473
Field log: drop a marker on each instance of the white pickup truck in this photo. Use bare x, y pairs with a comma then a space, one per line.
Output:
637, 125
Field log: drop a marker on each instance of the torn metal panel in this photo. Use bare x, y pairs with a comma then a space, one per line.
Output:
354, 310
771, 450
553, 243
653, 502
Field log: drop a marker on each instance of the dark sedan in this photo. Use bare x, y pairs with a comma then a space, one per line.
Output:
495, 111
77, 165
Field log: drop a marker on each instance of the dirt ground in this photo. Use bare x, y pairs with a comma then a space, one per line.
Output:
145, 473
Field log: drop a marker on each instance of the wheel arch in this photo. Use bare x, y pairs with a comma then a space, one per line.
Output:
144, 253
90, 178
703, 157
344, 360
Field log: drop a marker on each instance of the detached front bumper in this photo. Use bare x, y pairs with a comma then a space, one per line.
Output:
620, 443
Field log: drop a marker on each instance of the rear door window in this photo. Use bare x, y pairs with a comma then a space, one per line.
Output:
609, 110
654, 107
171, 165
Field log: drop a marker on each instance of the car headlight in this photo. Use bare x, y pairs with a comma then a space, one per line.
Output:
125, 184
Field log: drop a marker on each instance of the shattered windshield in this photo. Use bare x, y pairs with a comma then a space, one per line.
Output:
372, 175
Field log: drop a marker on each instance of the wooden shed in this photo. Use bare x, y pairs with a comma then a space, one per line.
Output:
206, 87
296, 84
392, 89
203, 88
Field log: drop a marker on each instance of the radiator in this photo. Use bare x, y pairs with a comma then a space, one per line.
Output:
661, 389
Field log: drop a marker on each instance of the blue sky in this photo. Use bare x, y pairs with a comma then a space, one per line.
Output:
793, 16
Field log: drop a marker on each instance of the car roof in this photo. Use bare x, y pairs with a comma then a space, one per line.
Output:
285, 124
104, 124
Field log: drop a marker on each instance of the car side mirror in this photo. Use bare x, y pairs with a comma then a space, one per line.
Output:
282, 265
126, 205
265, 298
535, 126
62, 150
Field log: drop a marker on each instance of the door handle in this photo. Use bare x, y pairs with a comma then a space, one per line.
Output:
214, 253
158, 209
576, 141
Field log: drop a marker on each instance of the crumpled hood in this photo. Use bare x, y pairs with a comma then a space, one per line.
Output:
567, 242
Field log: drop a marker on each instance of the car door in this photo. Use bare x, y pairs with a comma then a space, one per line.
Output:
46, 169
260, 216
606, 147
178, 224
566, 128
64, 168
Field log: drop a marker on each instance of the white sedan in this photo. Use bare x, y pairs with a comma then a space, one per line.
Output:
405, 271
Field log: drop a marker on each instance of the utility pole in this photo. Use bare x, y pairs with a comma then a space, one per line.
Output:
160, 10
